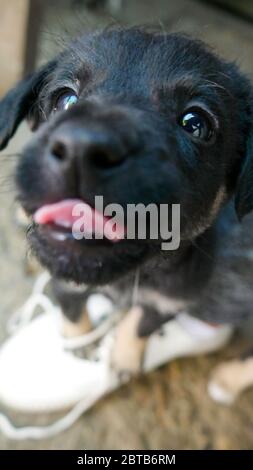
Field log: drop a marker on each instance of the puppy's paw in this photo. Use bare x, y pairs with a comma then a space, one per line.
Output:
72, 329
128, 348
126, 359
229, 379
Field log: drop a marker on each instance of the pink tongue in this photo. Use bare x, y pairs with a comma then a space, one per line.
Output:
61, 214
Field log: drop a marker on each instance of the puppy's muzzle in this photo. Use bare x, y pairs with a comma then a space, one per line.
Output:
94, 140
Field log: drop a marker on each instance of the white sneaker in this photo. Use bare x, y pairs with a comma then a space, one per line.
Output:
39, 372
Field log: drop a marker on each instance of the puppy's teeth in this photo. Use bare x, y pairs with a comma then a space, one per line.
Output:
63, 223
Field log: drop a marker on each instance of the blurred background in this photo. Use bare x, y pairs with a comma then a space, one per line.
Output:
170, 408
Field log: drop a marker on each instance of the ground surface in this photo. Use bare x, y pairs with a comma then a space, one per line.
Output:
170, 408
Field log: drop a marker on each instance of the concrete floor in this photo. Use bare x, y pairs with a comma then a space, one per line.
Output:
168, 409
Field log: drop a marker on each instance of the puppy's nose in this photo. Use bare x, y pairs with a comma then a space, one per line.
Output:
99, 148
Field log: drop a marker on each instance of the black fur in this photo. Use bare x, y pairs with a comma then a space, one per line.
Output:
21, 103
135, 85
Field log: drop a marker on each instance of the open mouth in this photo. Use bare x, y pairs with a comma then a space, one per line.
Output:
73, 219
103, 253
101, 256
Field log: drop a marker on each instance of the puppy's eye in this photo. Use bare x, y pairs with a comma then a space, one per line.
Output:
197, 124
65, 101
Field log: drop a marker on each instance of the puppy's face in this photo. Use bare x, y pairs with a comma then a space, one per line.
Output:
134, 117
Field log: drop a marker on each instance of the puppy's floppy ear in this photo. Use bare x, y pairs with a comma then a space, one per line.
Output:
18, 102
244, 194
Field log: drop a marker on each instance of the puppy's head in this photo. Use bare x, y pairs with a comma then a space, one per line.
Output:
135, 117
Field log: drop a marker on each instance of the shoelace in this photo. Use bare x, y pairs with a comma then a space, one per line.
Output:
20, 319
25, 314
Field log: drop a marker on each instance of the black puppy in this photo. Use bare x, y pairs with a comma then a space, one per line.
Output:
141, 117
